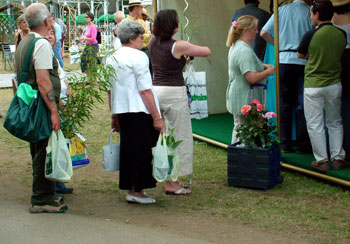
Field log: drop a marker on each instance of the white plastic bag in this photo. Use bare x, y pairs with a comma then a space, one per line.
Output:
111, 155
58, 164
196, 83
166, 161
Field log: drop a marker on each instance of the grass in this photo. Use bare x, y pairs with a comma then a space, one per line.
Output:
302, 207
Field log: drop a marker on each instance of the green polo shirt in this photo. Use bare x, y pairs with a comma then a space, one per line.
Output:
324, 47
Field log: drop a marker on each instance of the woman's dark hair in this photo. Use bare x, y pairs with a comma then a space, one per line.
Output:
165, 23
342, 9
90, 15
324, 9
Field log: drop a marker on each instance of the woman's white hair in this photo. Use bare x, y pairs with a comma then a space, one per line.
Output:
129, 30
35, 15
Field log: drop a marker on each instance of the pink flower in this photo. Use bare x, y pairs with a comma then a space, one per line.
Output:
256, 101
234, 24
259, 107
270, 115
246, 109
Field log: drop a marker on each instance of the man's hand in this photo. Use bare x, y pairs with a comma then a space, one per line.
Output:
55, 120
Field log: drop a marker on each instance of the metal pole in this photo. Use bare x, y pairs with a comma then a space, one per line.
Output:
277, 64
92, 9
117, 5
78, 8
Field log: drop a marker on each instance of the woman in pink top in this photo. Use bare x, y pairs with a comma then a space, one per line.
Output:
89, 58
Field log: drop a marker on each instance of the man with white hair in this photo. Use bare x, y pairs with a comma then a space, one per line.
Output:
42, 75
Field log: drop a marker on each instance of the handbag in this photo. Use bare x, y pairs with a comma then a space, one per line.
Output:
111, 155
28, 117
58, 163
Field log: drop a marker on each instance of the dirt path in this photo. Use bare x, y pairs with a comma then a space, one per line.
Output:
95, 214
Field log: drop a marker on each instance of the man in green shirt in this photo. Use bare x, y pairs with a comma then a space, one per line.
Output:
323, 48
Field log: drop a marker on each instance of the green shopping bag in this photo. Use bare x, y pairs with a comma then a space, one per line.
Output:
28, 117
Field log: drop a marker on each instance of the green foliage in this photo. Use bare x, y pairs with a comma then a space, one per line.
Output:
86, 91
259, 127
170, 140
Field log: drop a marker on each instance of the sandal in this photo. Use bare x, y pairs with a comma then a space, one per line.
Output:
181, 191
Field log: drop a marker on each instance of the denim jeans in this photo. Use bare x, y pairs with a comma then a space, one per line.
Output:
57, 52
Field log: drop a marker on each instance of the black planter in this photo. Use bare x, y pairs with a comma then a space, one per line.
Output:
255, 168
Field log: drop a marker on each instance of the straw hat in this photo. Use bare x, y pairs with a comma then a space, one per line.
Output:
144, 11
134, 3
337, 3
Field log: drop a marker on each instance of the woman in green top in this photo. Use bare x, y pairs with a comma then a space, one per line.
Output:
244, 68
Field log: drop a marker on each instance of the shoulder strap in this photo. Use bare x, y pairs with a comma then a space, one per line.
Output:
25, 67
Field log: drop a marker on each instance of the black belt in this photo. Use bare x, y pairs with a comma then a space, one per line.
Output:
289, 50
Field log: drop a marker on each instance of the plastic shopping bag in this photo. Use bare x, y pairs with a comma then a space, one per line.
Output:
196, 83
111, 155
77, 150
166, 161
58, 164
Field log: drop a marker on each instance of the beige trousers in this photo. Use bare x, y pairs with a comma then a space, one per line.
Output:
174, 108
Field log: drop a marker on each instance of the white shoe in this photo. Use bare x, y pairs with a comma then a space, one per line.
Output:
133, 199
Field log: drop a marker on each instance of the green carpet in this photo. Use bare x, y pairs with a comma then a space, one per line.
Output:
218, 127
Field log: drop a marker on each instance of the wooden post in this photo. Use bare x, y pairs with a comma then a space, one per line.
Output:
277, 68
155, 8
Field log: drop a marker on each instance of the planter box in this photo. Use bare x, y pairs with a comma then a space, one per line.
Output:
255, 168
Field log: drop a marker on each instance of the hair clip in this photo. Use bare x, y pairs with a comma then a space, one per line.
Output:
234, 24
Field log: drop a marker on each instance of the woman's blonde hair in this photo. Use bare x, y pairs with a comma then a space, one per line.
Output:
236, 30
119, 16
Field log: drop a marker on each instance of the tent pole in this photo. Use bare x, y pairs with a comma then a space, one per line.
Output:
277, 68
155, 7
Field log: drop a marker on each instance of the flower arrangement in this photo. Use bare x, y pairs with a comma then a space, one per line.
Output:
259, 127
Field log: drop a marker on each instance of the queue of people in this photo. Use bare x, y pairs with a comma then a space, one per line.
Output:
140, 101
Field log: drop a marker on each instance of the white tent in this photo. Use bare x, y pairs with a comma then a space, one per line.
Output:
209, 21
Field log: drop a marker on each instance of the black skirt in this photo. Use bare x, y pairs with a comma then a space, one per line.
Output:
137, 137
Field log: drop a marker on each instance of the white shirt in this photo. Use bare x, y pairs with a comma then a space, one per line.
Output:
132, 76
42, 54
64, 87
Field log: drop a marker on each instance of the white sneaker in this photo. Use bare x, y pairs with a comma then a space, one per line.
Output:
133, 199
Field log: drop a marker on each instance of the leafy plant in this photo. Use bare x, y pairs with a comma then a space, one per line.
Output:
86, 90
259, 127
170, 140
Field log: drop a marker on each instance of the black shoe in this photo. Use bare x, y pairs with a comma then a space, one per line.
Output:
286, 149
66, 190
305, 150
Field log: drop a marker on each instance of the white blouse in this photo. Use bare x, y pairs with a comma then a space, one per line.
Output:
132, 76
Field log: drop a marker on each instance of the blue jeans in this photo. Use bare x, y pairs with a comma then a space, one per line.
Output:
57, 52
59, 185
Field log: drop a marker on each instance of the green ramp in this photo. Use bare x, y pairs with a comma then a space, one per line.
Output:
218, 128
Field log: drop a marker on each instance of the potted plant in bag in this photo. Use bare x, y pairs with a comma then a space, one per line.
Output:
254, 162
